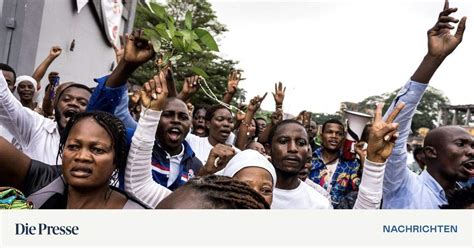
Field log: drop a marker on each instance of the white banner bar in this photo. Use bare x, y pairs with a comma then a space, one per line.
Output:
193, 228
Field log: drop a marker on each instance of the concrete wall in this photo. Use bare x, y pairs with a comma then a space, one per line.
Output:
19, 32
40, 24
60, 25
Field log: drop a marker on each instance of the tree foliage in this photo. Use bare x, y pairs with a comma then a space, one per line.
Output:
320, 118
427, 111
186, 31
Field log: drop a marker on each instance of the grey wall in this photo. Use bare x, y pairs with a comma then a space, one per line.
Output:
19, 33
61, 24
40, 24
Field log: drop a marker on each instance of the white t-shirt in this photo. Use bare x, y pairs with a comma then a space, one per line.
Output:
202, 147
5, 134
303, 197
318, 188
174, 165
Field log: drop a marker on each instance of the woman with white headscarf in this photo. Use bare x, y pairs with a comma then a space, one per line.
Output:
254, 169
26, 92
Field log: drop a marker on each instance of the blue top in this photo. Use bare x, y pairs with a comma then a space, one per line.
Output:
403, 188
115, 100
344, 180
160, 162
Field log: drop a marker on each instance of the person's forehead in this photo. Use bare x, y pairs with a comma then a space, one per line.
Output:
222, 112
77, 92
176, 106
8, 75
290, 129
89, 125
25, 82
333, 127
453, 134
253, 171
201, 112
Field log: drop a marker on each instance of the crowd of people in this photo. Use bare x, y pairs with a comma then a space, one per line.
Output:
102, 149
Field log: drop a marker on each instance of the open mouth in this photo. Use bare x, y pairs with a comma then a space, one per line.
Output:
174, 134
469, 166
333, 142
200, 129
69, 113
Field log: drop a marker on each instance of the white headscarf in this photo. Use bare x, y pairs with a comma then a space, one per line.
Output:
249, 158
29, 79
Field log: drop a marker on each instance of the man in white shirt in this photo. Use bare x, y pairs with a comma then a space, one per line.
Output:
289, 149
37, 135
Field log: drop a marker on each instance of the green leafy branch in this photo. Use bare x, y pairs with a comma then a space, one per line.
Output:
171, 42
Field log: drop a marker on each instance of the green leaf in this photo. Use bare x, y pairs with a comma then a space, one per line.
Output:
187, 37
178, 44
207, 39
156, 44
188, 20
150, 33
159, 11
161, 29
195, 46
171, 29
149, 24
199, 72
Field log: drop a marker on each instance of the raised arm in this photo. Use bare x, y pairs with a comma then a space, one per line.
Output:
217, 160
276, 117
21, 122
242, 137
39, 72
232, 83
279, 96
190, 87
47, 107
382, 136
111, 93
137, 51
138, 177
440, 44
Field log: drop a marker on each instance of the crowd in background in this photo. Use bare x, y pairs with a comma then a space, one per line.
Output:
154, 147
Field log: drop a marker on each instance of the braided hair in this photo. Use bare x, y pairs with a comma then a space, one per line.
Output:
111, 124
226, 192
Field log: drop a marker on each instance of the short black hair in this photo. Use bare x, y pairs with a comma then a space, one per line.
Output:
210, 112
5, 67
417, 151
332, 121
261, 118
199, 107
281, 123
